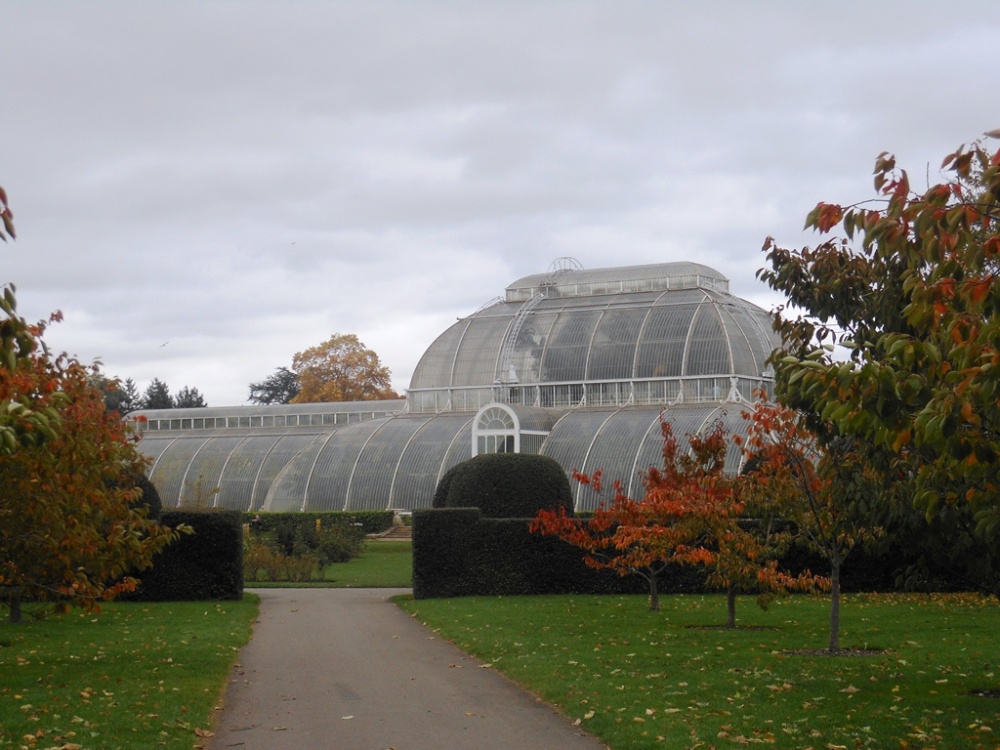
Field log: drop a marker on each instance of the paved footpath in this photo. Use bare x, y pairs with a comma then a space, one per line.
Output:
345, 669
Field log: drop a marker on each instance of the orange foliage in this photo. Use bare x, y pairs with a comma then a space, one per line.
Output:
341, 369
70, 530
688, 515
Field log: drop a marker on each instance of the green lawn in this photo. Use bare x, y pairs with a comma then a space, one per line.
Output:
637, 679
136, 676
381, 565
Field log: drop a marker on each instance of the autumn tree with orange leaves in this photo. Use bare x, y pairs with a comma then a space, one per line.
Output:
71, 526
689, 515
340, 369
891, 338
817, 492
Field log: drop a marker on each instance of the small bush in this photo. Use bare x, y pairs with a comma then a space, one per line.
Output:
337, 544
289, 536
302, 568
259, 559
369, 521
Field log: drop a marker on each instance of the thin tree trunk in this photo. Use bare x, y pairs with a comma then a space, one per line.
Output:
731, 607
15, 607
654, 594
835, 560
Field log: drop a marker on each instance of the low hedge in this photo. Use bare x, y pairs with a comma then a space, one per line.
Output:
371, 521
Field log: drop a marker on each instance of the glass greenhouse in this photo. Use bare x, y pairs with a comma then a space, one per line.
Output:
575, 364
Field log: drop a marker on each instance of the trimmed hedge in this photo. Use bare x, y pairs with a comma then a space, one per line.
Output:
443, 546
205, 565
459, 552
505, 485
150, 497
372, 521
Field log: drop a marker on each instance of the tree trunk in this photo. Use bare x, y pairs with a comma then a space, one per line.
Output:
835, 559
654, 594
15, 606
731, 607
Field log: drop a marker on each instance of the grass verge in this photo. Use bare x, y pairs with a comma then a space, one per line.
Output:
135, 676
637, 679
381, 565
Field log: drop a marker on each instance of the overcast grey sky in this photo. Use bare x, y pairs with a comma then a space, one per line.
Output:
206, 188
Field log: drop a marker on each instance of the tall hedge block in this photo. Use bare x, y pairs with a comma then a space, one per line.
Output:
205, 565
443, 550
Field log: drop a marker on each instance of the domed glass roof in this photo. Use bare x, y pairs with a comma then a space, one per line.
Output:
579, 327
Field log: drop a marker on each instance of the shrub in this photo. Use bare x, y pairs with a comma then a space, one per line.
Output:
301, 568
337, 544
289, 536
258, 558
505, 485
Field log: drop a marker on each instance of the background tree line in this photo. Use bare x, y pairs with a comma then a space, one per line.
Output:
123, 396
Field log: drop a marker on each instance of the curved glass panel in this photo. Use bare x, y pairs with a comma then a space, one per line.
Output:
169, 471
565, 356
707, 352
526, 354
330, 476
570, 441
236, 484
288, 490
742, 354
459, 449
751, 335
426, 459
436, 366
283, 450
477, 358
664, 338
371, 480
202, 482
612, 353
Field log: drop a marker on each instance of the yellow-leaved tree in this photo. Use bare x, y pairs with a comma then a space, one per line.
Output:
341, 369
